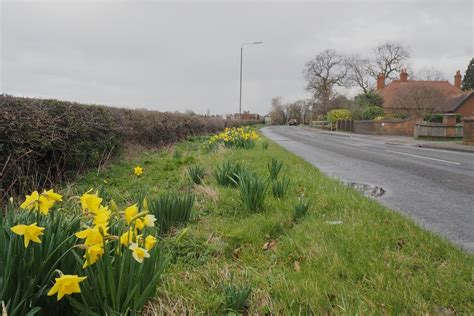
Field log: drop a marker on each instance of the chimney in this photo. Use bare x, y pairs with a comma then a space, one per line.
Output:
457, 80
403, 75
380, 81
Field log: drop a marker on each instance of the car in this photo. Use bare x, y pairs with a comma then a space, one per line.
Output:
292, 122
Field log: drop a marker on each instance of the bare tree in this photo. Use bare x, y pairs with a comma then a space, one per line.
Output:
419, 99
359, 73
322, 73
430, 74
389, 59
278, 113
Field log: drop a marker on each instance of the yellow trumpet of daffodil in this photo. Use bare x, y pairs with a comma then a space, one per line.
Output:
92, 236
93, 254
90, 202
130, 213
66, 285
102, 217
138, 253
29, 232
128, 237
150, 242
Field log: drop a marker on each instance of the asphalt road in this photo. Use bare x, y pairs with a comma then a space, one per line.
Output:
433, 187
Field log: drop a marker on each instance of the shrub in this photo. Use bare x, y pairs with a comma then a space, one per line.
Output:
300, 209
171, 209
226, 174
252, 190
274, 168
337, 115
372, 112
279, 188
236, 298
368, 99
45, 141
196, 173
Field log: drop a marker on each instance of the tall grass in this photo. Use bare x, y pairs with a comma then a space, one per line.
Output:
171, 209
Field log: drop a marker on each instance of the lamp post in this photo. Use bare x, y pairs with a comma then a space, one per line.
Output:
241, 58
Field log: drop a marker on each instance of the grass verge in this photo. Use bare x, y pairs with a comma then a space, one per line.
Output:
347, 255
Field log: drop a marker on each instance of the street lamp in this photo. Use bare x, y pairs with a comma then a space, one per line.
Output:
241, 56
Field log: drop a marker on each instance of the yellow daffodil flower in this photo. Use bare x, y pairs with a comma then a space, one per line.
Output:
31, 202
138, 253
127, 238
150, 242
51, 195
139, 224
92, 236
93, 254
138, 170
31, 232
130, 213
149, 220
66, 285
90, 202
102, 217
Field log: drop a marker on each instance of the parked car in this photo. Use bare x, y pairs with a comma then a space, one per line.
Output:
292, 122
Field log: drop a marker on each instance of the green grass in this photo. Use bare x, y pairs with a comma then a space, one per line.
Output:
375, 262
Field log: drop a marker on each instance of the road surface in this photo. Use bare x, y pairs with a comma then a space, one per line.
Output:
433, 187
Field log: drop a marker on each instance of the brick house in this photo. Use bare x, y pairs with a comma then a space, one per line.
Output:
415, 97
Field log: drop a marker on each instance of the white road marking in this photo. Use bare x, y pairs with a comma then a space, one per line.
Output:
423, 157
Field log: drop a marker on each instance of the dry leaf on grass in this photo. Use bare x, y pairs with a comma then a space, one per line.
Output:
270, 245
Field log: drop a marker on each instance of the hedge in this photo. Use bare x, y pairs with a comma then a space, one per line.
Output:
44, 142
371, 112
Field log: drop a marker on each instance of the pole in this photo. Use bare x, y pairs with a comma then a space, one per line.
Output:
240, 97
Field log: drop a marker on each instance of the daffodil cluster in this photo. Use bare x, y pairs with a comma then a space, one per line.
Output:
100, 222
241, 137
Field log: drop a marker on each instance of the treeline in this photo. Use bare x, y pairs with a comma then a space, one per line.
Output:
44, 142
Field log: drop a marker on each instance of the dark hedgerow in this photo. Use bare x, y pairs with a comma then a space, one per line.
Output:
44, 141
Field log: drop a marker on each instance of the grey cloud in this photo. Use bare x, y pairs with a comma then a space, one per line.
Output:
185, 55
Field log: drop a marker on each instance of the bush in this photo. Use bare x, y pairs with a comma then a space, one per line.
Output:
438, 117
337, 115
196, 173
368, 99
252, 190
300, 210
279, 188
47, 141
226, 174
372, 112
171, 209
274, 168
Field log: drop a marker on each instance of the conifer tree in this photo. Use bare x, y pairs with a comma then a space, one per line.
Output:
468, 80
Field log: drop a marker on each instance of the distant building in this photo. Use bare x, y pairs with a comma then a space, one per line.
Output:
415, 97
245, 116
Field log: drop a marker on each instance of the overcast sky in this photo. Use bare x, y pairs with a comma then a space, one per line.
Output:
185, 55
